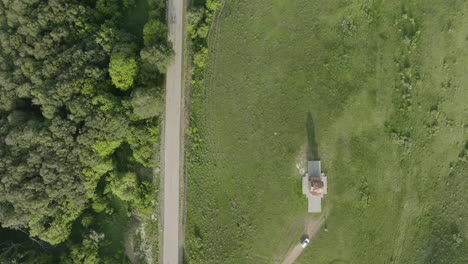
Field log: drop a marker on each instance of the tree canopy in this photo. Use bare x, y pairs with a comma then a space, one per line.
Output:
123, 69
63, 124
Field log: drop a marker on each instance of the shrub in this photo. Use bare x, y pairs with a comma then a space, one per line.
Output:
144, 199
84, 253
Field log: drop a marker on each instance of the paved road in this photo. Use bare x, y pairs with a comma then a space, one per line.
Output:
172, 139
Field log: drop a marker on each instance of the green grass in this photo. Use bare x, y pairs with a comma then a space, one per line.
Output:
385, 86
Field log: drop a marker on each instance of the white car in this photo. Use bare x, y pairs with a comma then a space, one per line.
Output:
305, 242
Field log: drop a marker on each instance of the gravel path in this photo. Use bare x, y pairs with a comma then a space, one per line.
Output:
171, 246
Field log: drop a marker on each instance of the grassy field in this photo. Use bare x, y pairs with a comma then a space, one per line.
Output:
377, 90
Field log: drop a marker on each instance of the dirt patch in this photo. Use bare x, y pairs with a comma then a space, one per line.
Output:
137, 244
129, 244
301, 161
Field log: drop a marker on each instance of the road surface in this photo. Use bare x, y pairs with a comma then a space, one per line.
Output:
312, 229
172, 139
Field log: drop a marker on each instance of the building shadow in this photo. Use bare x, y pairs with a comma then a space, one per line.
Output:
312, 146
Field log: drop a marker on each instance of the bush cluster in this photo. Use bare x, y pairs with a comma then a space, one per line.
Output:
408, 79
200, 18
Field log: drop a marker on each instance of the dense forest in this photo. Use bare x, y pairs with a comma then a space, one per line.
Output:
80, 96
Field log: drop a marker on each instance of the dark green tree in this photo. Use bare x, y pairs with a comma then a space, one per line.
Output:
158, 55
63, 126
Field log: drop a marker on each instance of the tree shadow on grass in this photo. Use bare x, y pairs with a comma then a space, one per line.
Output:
312, 146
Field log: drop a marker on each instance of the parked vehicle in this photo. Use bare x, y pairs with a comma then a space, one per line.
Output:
305, 242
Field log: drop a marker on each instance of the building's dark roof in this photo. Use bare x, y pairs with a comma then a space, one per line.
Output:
313, 169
